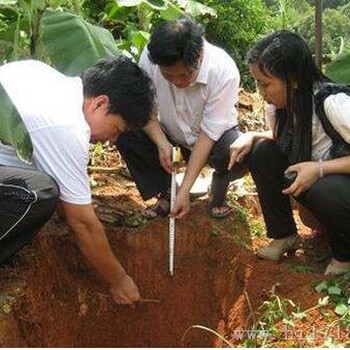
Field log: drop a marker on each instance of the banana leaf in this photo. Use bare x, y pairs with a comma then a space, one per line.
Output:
71, 44
339, 69
12, 129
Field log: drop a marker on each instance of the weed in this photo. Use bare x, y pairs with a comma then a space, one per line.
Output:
257, 228
301, 268
249, 183
242, 242
232, 196
97, 150
271, 312
337, 289
135, 221
274, 311
242, 214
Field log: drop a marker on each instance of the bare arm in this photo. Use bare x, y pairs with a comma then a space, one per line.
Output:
199, 156
310, 172
337, 166
93, 243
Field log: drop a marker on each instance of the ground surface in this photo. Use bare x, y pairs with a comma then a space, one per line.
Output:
52, 298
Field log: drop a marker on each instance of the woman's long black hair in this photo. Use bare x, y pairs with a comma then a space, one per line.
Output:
286, 55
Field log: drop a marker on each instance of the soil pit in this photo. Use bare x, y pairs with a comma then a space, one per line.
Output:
53, 299
64, 304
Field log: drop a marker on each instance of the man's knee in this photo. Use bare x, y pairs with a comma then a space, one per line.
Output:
220, 154
222, 146
47, 193
28, 199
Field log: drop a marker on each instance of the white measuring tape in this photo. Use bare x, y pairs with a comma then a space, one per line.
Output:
176, 157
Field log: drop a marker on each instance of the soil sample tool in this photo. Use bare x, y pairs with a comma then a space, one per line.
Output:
176, 157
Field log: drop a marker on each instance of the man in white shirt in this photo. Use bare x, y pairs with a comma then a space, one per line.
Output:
196, 92
62, 114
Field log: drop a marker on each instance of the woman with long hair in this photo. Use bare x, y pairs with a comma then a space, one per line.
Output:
298, 148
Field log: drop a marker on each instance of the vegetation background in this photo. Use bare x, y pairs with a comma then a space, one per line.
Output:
73, 34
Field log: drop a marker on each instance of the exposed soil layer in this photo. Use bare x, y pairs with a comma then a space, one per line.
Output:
51, 298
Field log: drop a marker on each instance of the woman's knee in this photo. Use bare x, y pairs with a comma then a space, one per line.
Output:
330, 192
262, 151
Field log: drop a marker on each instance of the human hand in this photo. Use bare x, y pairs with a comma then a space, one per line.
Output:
124, 291
307, 175
182, 205
240, 148
165, 156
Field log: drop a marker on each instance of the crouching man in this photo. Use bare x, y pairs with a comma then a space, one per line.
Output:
62, 115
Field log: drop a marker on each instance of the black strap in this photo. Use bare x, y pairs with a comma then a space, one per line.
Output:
340, 147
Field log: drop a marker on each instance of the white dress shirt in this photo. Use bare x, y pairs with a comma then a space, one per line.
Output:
208, 105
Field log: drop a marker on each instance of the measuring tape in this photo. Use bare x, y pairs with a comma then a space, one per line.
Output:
176, 158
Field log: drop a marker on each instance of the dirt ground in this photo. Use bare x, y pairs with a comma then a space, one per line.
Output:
52, 298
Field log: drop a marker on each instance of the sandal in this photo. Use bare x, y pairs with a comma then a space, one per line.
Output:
219, 211
159, 209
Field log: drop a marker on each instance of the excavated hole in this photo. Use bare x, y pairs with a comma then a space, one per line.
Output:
64, 303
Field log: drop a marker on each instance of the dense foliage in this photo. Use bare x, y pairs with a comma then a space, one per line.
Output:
339, 69
336, 31
32, 28
238, 24
299, 16
73, 34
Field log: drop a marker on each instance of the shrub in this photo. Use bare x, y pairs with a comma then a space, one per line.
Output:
238, 24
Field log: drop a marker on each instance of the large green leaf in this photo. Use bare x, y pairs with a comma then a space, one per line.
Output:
153, 4
72, 44
171, 12
12, 129
8, 2
195, 8
339, 69
140, 39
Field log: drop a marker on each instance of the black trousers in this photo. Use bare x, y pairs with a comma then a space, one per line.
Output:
27, 201
141, 156
328, 198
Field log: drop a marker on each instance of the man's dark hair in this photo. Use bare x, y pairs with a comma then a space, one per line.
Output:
128, 87
176, 41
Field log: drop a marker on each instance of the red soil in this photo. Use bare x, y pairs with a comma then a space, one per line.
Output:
54, 299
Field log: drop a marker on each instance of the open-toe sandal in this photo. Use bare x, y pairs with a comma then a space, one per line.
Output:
159, 209
219, 211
